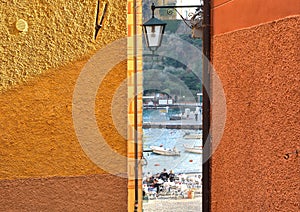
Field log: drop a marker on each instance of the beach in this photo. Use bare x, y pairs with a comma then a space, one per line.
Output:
187, 167
173, 205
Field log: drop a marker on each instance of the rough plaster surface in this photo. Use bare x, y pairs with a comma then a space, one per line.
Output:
229, 15
59, 32
36, 126
82, 193
259, 69
39, 69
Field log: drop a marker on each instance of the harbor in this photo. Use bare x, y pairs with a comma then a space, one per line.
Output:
173, 118
178, 124
185, 162
161, 132
172, 142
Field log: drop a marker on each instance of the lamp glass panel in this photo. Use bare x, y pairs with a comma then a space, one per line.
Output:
154, 35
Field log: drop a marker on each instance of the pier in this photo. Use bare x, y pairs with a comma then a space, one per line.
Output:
171, 125
175, 105
186, 120
189, 123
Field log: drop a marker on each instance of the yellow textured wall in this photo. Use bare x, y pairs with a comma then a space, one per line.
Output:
39, 69
44, 47
59, 32
36, 126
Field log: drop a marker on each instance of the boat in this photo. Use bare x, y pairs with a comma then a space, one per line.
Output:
175, 117
192, 136
193, 149
163, 151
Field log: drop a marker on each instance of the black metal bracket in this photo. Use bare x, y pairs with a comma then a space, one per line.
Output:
199, 11
153, 7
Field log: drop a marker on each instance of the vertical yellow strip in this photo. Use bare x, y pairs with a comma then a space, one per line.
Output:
134, 16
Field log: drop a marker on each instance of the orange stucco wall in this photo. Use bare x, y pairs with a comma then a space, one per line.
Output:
37, 134
78, 193
257, 61
229, 15
38, 141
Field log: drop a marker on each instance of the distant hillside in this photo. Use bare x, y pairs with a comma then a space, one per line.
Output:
173, 77
166, 74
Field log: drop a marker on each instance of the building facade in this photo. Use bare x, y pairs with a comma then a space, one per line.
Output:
255, 53
49, 155
47, 48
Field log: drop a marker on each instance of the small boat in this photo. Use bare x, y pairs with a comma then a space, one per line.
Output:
193, 149
162, 151
175, 117
192, 136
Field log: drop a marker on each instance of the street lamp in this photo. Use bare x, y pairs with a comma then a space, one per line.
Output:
155, 28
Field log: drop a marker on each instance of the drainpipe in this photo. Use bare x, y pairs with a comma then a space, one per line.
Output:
206, 166
136, 184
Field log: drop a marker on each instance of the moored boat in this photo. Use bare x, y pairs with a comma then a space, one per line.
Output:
192, 136
162, 151
193, 149
175, 117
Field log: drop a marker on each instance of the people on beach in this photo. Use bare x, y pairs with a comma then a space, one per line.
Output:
149, 181
197, 112
171, 176
156, 184
164, 175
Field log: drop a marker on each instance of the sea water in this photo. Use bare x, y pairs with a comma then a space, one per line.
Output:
169, 138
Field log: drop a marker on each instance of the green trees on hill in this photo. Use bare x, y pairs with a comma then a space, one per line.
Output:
171, 76
165, 74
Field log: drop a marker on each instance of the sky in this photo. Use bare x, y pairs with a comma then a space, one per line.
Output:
185, 11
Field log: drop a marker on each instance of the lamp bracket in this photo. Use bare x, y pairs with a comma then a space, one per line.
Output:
196, 18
